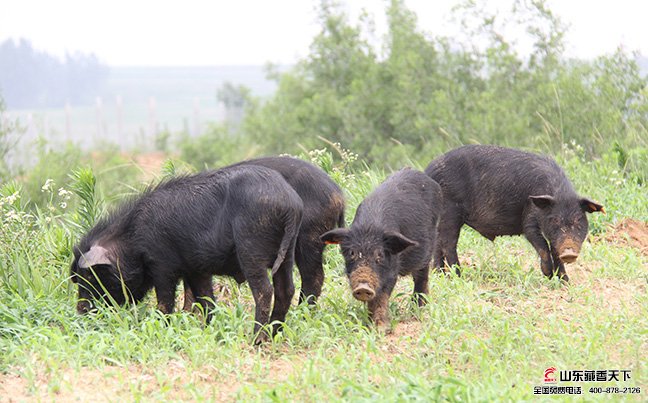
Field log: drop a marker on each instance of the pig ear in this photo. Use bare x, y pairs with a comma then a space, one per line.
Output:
396, 243
590, 206
97, 255
334, 236
542, 201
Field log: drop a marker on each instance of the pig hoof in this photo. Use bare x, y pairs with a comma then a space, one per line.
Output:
261, 338
564, 278
276, 328
421, 299
310, 300
382, 327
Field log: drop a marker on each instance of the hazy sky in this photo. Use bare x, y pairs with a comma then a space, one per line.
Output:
230, 32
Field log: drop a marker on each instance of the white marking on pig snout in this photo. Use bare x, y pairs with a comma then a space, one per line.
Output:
97, 255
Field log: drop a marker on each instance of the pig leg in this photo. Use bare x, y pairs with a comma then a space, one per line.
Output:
257, 276
379, 306
200, 288
188, 297
421, 284
308, 256
284, 290
534, 235
262, 293
559, 266
379, 311
165, 292
449, 229
439, 258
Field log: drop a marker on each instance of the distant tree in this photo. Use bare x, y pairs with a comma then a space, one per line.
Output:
235, 99
10, 132
84, 76
30, 78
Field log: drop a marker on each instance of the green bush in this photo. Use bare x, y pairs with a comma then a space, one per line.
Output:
423, 93
118, 174
218, 146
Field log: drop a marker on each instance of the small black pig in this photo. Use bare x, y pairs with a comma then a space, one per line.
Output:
323, 210
502, 191
237, 221
393, 233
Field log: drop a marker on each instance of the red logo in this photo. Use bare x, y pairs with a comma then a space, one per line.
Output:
549, 374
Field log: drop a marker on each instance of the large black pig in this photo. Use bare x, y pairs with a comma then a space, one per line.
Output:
393, 233
503, 191
323, 210
237, 221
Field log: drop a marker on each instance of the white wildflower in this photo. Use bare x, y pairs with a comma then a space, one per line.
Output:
63, 205
65, 194
11, 215
316, 154
12, 199
48, 186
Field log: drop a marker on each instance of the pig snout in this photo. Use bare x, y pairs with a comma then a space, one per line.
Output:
364, 283
363, 292
568, 251
569, 255
83, 307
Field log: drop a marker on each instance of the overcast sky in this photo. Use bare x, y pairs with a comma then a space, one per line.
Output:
234, 32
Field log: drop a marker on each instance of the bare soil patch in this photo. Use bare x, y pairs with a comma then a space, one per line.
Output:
629, 232
91, 384
115, 383
150, 164
613, 294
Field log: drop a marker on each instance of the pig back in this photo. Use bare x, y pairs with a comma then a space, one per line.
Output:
488, 187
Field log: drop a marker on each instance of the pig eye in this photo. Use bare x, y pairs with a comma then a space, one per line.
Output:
379, 257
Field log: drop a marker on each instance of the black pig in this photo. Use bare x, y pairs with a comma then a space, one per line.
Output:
237, 221
323, 210
502, 191
393, 233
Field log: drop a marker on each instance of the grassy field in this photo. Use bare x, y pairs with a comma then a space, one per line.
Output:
487, 336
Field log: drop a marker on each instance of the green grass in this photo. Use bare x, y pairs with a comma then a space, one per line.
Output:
486, 336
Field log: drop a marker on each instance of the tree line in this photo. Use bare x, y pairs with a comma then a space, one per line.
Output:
30, 78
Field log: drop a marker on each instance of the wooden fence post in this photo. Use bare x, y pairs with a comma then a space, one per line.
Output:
68, 122
100, 132
120, 123
152, 118
197, 123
